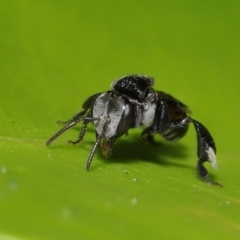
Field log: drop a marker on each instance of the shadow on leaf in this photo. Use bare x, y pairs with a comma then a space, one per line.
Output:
135, 150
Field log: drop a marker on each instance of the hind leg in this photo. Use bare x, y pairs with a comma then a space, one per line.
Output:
206, 152
206, 146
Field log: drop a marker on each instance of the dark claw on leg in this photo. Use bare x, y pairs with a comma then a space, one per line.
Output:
150, 140
210, 182
204, 175
63, 122
73, 142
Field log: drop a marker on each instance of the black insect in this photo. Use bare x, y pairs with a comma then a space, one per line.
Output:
133, 103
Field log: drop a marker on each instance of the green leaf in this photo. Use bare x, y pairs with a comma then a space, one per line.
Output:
54, 54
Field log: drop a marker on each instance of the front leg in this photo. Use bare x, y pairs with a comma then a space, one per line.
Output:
86, 107
80, 116
82, 132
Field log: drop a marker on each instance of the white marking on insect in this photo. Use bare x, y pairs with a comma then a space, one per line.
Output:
212, 158
108, 109
148, 115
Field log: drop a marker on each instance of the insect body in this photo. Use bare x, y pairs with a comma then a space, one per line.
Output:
133, 103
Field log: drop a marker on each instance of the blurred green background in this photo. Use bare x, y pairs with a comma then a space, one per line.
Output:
53, 55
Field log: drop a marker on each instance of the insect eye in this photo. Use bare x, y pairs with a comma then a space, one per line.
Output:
127, 120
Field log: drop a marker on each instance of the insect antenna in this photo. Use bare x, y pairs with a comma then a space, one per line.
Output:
96, 144
89, 161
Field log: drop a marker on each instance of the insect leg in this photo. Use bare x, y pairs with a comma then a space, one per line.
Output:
147, 136
86, 106
88, 103
69, 125
86, 121
177, 129
74, 118
206, 151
